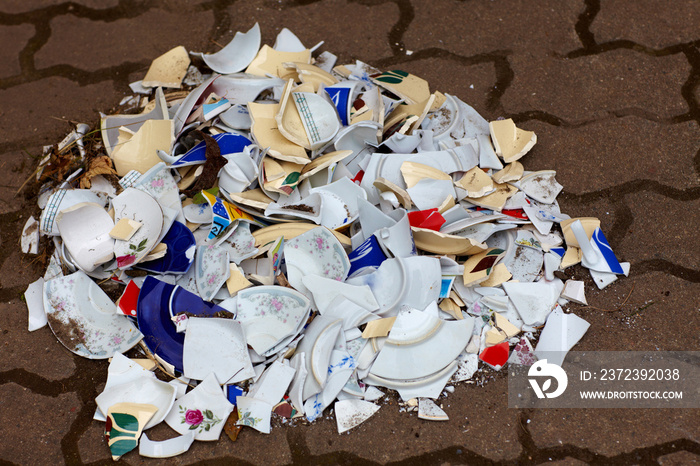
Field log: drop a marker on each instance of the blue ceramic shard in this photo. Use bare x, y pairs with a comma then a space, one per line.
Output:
179, 256
229, 143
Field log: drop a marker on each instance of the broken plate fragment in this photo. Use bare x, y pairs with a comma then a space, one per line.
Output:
34, 297
428, 410
30, 236
351, 413
125, 422
560, 334
203, 410
84, 319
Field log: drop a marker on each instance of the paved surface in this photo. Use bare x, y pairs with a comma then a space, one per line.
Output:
612, 90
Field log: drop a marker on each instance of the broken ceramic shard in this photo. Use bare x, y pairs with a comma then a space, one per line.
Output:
168, 70
202, 410
237, 54
166, 448
510, 142
125, 422
428, 410
352, 413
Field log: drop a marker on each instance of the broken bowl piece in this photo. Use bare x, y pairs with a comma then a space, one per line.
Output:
269, 314
85, 230
84, 319
316, 252
510, 142
137, 205
166, 448
237, 54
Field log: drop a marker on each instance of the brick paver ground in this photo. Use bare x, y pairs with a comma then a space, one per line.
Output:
612, 88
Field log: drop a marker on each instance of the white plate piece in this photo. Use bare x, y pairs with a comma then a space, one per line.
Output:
351, 413
428, 410
273, 383
165, 448
121, 370
216, 345
254, 413
203, 410
84, 319
468, 364
142, 390
420, 344
269, 314
560, 334
534, 301
141, 207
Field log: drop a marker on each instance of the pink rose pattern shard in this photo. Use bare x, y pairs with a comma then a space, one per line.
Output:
199, 420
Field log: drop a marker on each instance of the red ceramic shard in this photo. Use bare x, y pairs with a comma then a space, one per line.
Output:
430, 219
496, 355
128, 300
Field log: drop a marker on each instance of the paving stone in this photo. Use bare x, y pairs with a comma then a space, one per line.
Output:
615, 151
45, 356
680, 458
610, 431
26, 439
486, 429
447, 76
482, 27
316, 22
14, 39
21, 6
100, 44
651, 236
92, 445
589, 87
60, 98
16, 167
673, 22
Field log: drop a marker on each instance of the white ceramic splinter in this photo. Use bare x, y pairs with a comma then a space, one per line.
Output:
237, 54
166, 448
85, 231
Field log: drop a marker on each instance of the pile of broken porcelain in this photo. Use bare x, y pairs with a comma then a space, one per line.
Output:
295, 236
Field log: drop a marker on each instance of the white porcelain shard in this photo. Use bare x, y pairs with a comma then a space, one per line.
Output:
237, 54
145, 389
325, 290
166, 448
121, 370
468, 363
430, 193
254, 413
203, 410
541, 186
85, 231
428, 410
534, 301
30, 236
273, 383
574, 290
560, 334
216, 345
352, 413
34, 297
428, 387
